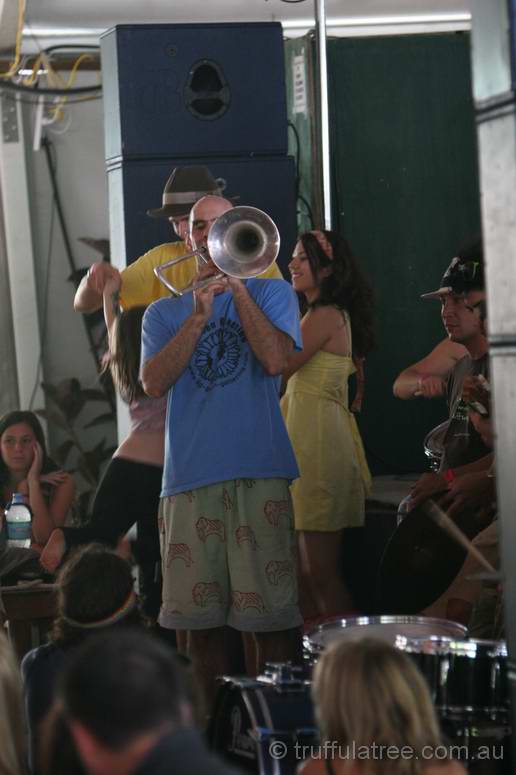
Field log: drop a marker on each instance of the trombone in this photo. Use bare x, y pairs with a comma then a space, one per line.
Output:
242, 243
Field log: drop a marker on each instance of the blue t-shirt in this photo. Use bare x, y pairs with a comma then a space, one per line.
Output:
223, 416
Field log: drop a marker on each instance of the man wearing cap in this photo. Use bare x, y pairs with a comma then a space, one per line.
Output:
139, 284
466, 459
226, 522
464, 483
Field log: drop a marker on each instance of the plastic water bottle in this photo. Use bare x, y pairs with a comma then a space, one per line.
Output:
18, 518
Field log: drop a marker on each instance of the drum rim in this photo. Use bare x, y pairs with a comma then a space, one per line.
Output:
362, 621
468, 647
313, 647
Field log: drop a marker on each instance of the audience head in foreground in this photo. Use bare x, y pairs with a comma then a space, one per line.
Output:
369, 694
127, 702
12, 736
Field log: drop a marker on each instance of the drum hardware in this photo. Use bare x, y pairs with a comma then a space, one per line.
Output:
284, 676
242, 243
484, 747
467, 678
264, 724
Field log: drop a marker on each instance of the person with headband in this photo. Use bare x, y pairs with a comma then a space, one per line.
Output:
95, 591
334, 476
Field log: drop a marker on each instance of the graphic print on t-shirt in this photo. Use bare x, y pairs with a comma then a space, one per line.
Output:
221, 355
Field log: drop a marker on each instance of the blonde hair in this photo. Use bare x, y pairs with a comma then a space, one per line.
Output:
12, 725
367, 693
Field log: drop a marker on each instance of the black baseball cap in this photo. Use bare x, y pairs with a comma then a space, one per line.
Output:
465, 273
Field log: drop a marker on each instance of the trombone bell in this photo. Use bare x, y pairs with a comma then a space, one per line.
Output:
242, 243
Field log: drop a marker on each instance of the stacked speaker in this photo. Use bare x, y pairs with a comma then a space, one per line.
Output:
180, 94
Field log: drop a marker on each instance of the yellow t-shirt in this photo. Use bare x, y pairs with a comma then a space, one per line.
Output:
141, 286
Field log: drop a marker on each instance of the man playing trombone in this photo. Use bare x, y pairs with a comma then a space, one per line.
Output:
226, 523
139, 285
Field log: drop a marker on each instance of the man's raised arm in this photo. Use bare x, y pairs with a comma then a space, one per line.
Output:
162, 370
271, 346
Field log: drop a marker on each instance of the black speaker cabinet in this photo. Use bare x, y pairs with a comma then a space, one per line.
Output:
187, 90
136, 186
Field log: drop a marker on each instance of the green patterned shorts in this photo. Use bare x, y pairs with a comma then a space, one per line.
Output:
228, 555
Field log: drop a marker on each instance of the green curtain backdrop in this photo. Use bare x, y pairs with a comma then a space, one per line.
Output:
404, 165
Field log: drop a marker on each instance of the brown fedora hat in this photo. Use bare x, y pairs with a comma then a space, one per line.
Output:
184, 188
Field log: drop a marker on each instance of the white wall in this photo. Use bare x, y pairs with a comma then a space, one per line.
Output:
78, 151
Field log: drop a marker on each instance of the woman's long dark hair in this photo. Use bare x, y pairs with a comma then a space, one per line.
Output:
14, 418
124, 359
345, 287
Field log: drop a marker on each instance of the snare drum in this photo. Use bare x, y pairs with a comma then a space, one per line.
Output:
387, 628
467, 679
265, 725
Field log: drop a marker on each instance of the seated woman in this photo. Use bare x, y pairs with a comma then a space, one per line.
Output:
95, 590
13, 746
334, 477
26, 468
370, 697
130, 488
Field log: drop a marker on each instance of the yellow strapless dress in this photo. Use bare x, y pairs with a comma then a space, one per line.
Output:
334, 476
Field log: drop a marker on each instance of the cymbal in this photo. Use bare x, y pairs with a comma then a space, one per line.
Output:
485, 576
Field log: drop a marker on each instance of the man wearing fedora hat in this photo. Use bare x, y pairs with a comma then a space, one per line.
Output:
139, 285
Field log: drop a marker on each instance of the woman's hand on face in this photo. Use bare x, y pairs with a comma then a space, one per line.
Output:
37, 462
54, 478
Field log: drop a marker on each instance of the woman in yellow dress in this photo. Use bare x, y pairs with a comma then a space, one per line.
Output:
334, 477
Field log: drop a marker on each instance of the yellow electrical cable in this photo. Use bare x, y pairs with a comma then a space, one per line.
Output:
57, 112
29, 80
75, 67
19, 33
